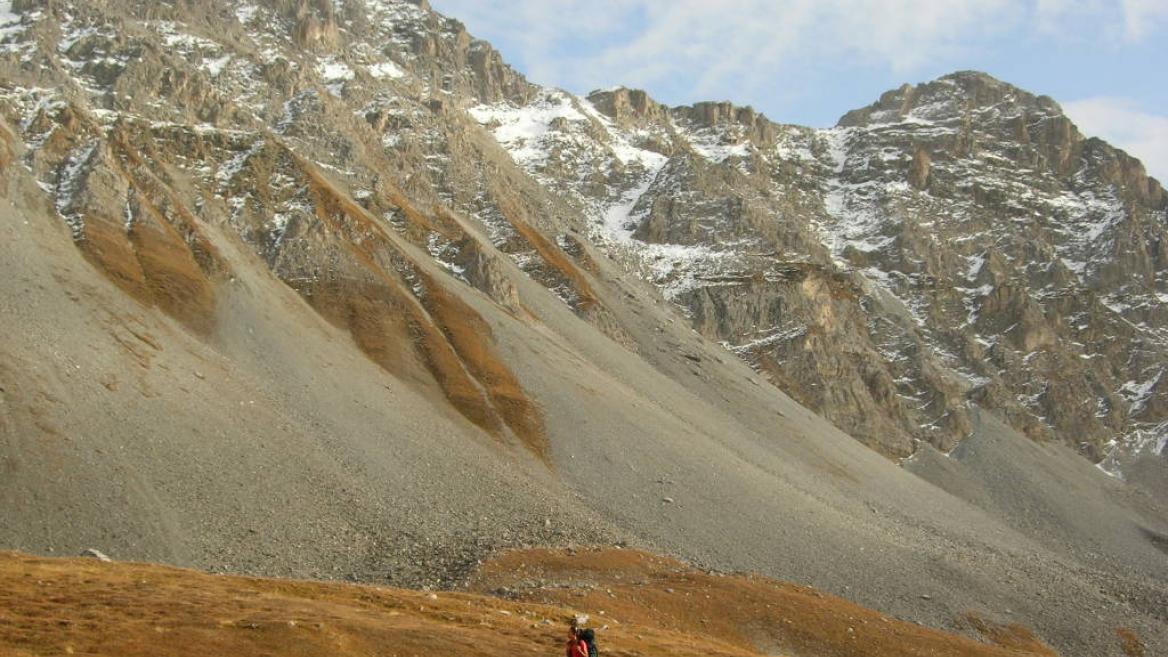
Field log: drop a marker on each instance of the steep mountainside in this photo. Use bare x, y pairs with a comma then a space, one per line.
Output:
323, 288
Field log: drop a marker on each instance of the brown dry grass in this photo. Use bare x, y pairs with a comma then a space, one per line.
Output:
176, 282
162, 260
152, 267
85, 607
579, 251
445, 224
386, 322
1130, 643
550, 253
471, 337
1013, 635
375, 317
657, 606
748, 613
453, 341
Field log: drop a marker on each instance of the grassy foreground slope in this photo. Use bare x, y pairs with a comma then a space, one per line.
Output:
648, 606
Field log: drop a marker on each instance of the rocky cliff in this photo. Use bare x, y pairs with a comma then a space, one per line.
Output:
955, 244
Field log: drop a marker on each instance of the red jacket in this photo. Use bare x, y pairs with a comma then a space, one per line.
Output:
576, 648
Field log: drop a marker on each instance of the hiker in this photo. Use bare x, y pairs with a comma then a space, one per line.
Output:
576, 647
588, 637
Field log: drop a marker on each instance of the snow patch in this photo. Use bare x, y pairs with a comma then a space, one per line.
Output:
1085, 221
183, 42
245, 12
233, 166
68, 184
386, 69
11, 23
215, 66
975, 265
853, 219
335, 74
525, 131
331, 70
778, 335
1137, 393
1145, 440
717, 145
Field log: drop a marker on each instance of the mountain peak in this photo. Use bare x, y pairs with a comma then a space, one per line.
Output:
950, 96
972, 76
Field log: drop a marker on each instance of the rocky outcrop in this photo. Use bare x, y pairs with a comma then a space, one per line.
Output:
96, 554
316, 25
759, 130
629, 106
918, 173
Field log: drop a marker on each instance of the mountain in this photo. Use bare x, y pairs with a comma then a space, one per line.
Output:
955, 244
326, 289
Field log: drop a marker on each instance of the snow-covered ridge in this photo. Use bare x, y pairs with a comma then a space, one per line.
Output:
560, 133
527, 132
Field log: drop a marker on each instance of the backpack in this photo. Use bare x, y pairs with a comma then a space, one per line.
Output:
589, 637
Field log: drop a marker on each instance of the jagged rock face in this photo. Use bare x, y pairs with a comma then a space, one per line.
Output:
958, 243
955, 244
1028, 252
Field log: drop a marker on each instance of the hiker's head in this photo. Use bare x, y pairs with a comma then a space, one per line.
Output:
573, 628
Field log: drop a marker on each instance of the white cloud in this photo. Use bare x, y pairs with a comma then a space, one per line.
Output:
1123, 123
759, 36
660, 40
536, 32
1142, 17
744, 50
1057, 17
715, 46
1130, 20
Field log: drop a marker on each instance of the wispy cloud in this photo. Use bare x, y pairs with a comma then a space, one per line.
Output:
776, 53
1124, 123
643, 42
1143, 17
1131, 20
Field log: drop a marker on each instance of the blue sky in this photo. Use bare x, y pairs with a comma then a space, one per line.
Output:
809, 61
